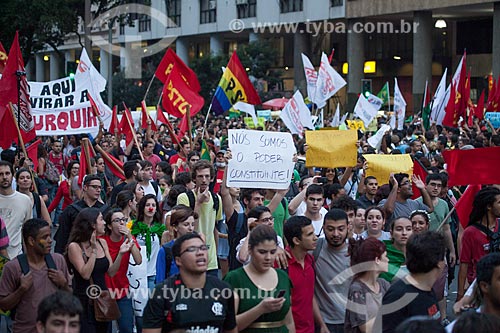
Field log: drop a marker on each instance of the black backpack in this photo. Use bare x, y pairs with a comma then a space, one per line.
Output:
168, 258
493, 237
215, 199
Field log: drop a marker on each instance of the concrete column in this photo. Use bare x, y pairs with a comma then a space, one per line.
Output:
30, 70
55, 66
356, 61
496, 39
301, 44
216, 44
103, 65
253, 37
422, 55
182, 49
40, 67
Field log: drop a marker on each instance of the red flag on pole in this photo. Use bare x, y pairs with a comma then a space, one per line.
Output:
114, 165
127, 125
9, 92
464, 204
177, 95
84, 160
160, 116
451, 113
8, 126
170, 61
473, 167
479, 109
32, 151
183, 127
145, 116
418, 170
3, 58
114, 121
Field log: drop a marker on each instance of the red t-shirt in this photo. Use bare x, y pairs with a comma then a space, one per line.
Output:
475, 245
60, 162
218, 180
120, 280
302, 292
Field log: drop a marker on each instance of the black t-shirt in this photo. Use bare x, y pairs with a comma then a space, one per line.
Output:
234, 236
403, 301
210, 309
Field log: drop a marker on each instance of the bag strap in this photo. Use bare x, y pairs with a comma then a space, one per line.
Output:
85, 260
168, 258
23, 262
484, 229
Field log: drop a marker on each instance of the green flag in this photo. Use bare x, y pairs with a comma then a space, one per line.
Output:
205, 152
383, 94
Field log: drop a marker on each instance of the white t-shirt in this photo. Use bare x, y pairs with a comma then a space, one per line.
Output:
15, 209
317, 224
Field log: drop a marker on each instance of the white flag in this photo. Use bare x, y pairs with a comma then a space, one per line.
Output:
438, 102
296, 115
344, 117
247, 108
311, 77
318, 120
364, 110
440, 113
336, 117
375, 101
376, 140
329, 82
399, 106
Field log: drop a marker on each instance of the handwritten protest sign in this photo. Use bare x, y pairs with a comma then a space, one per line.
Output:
381, 166
331, 149
494, 118
356, 124
260, 159
261, 122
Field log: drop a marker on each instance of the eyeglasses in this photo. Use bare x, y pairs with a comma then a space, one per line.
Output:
195, 249
95, 187
194, 159
267, 219
123, 219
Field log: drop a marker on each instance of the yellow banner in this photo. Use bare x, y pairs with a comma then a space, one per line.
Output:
381, 166
331, 149
356, 124
261, 122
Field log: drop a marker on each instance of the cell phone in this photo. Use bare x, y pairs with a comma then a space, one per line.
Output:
322, 180
281, 293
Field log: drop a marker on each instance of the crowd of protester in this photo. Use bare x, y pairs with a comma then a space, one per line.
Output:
338, 251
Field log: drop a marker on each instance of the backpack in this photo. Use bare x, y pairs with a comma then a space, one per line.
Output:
493, 237
168, 258
215, 199
155, 187
38, 205
51, 173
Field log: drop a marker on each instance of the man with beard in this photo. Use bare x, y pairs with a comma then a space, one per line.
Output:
32, 276
399, 202
209, 305
331, 265
371, 187
15, 209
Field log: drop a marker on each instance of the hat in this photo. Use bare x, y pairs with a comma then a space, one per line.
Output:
222, 151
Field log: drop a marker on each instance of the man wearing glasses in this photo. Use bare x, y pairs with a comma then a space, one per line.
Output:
399, 202
191, 300
91, 193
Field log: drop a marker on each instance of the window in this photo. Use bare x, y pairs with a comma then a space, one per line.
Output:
288, 6
208, 11
144, 23
174, 11
246, 8
335, 3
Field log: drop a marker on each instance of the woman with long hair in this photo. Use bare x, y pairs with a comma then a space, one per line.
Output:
65, 191
24, 180
401, 230
375, 222
136, 188
125, 200
117, 233
262, 297
89, 259
182, 221
367, 289
105, 183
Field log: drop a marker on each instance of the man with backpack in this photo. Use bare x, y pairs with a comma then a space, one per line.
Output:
32, 276
91, 192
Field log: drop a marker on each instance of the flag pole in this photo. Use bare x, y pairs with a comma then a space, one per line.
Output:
19, 74
190, 129
206, 121
104, 155
134, 135
85, 143
149, 86
21, 142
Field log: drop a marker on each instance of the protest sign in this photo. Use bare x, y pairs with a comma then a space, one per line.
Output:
494, 118
356, 124
261, 122
381, 166
331, 149
260, 159
60, 107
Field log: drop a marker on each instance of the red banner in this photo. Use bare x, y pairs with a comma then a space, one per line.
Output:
473, 167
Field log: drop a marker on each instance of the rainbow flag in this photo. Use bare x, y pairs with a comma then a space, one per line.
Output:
234, 86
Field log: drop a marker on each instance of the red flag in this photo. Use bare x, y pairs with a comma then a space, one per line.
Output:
95, 109
451, 113
330, 57
126, 126
32, 151
473, 167
177, 95
491, 96
145, 116
3, 58
418, 170
8, 126
464, 204
9, 92
479, 109
160, 116
83, 162
183, 127
462, 96
114, 165
171, 60
114, 121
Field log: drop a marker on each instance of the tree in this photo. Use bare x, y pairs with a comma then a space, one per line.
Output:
209, 71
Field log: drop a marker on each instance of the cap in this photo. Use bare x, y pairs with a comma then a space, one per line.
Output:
222, 151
